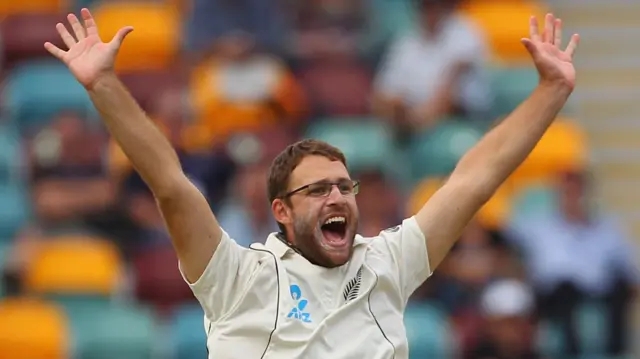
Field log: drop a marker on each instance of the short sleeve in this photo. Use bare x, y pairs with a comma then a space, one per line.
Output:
225, 278
408, 248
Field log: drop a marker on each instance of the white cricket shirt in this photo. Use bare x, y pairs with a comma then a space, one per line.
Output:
269, 302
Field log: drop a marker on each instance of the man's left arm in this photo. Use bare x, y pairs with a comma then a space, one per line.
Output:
487, 165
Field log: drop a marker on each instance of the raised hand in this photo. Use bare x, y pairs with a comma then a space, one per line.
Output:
554, 65
88, 57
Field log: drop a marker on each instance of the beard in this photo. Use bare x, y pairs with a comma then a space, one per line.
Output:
310, 240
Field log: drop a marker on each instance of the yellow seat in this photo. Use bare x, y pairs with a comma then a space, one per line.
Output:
32, 329
74, 265
504, 23
491, 216
11, 7
153, 44
562, 148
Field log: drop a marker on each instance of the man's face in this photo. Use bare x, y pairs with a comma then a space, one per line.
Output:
323, 227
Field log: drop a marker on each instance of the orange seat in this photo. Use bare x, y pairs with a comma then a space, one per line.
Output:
11, 7
491, 216
562, 148
153, 44
74, 265
504, 23
32, 329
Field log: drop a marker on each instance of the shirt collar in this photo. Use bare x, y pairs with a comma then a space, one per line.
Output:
277, 243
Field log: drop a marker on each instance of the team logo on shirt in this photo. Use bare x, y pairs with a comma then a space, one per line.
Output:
298, 311
353, 287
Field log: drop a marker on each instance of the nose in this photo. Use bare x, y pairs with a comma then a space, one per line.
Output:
335, 196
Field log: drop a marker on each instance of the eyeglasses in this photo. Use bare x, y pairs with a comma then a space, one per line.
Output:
323, 188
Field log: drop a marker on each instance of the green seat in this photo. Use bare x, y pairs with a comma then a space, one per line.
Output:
429, 332
113, 331
14, 209
511, 86
5, 246
435, 153
368, 144
532, 201
35, 91
187, 331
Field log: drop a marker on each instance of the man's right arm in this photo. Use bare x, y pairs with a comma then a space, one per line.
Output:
194, 230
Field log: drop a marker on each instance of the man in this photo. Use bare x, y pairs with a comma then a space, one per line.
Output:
315, 290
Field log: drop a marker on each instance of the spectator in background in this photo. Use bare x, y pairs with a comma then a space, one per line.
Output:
245, 212
444, 60
209, 168
263, 21
507, 308
575, 256
239, 89
66, 164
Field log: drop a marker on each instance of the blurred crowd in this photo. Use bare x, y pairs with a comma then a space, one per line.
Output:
403, 87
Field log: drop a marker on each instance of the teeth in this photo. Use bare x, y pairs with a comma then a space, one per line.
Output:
335, 219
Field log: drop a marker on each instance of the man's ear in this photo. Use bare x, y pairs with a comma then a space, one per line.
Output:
281, 212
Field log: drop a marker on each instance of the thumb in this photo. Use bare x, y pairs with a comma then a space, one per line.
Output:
531, 48
120, 35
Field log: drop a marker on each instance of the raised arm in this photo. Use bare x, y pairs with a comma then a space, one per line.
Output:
487, 165
193, 227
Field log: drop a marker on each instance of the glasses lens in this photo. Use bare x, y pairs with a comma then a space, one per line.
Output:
319, 189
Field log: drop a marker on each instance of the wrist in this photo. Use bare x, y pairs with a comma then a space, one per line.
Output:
557, 87
103, 80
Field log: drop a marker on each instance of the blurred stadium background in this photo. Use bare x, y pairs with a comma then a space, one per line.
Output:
403, 87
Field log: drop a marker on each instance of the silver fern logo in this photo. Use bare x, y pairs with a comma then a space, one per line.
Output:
353, 287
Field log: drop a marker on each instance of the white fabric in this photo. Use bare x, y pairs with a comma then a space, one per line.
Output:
267, 301
507, 298
414, 67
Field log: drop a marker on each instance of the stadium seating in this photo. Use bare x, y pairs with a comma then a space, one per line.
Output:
337, 87
511, 85
504, 23
37, 90
563, 148
187, 331
153, 44
366, 142
116, 331
225, 108
492, 215
30, 328
23, 36
14, 198
533, 200
31, 6
74, 265
5, 247
158, 280
428, 332
436, 152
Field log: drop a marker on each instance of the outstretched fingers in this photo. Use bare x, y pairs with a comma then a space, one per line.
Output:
548, 33
89, 22
77, 27
558, 33
54, 50
573, 44
65, 35
534, 32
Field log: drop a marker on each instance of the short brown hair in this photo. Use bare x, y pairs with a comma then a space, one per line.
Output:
287, 161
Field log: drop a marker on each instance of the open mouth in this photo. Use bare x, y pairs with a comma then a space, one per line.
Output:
334, 230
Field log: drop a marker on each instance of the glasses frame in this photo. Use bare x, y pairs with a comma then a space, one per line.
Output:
356, 187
